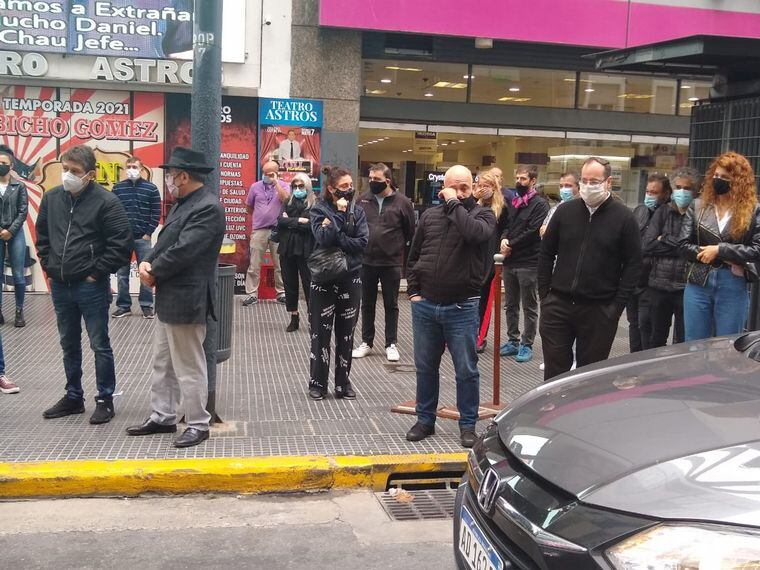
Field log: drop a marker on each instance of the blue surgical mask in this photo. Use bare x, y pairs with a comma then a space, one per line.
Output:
650, 202
299, 194
566, 194
682, 198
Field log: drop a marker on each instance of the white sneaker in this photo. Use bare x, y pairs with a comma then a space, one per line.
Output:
361, 351
541, 366
392, 353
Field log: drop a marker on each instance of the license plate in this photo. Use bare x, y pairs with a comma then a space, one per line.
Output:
475, 547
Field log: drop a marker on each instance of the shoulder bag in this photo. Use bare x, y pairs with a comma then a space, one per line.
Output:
330, 264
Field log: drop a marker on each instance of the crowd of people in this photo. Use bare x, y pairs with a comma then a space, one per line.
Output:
682, 259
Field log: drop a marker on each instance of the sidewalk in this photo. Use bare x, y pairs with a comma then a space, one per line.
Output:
261, 398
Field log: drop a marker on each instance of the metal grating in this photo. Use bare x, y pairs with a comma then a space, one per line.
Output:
423, 504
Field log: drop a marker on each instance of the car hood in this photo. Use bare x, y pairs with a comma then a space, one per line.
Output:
671, 433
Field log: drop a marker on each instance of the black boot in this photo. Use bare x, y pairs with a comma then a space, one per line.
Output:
19, 322
294, 321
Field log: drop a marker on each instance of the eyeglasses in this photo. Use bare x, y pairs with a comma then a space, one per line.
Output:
298, 186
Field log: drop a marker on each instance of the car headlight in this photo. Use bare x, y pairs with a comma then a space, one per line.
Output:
688, 547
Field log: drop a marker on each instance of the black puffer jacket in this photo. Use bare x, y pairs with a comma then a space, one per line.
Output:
660, 245
449, 252
14, 206
296, 239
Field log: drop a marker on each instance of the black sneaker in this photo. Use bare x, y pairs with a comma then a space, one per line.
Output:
120, 312
103, 411
64, 407
19, 321
419, 432
315, 394
2, 318
346, 392
281, 298
148, 313
250, 300
468, 437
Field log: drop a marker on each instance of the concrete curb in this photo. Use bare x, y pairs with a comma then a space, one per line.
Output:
241, 475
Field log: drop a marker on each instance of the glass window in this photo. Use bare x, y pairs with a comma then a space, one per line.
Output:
522, 86
632, 93
691, 92
415, 80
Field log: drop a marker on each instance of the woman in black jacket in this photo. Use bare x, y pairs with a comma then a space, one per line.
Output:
14, 204
338, 226
296, 243
720, 238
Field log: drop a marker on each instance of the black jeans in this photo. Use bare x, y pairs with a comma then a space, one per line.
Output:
337, 302
293, 266
592, 326
639, 314
665, 306
390, 279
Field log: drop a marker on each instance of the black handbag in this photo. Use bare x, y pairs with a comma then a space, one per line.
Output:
327, 265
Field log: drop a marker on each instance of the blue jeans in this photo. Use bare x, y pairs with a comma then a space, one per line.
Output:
435, 327
123, 300
72, 303
719, 308
16, 247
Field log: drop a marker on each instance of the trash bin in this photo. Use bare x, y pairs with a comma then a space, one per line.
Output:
225, 295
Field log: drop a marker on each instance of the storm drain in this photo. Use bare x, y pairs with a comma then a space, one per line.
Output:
418, 504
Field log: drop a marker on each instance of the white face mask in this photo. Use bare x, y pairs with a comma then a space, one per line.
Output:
170, 185
133, 173
593, 194
72, 183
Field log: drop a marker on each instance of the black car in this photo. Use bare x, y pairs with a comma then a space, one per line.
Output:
649, 461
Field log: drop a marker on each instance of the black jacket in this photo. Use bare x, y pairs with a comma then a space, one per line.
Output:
660, 245
296, 239
184, 259
389, 230
449, 252
14, 206
351, 240
83, 235
700, 228
643, 217
523, 225
591, 258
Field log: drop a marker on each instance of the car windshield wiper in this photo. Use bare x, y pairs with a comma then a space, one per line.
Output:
749, 344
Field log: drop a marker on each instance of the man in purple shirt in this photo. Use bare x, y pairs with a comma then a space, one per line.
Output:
264, 202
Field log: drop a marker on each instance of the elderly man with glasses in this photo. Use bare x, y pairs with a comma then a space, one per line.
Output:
588, 267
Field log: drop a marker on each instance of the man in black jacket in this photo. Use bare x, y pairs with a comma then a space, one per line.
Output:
181, 267
83, 235
444, 278
520, 243
390, 217
588, 266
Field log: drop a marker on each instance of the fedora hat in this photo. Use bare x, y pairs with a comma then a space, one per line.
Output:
187, 159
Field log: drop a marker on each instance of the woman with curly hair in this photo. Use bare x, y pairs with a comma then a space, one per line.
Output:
720, 238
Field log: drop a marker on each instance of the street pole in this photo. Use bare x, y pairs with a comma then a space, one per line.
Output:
205, 120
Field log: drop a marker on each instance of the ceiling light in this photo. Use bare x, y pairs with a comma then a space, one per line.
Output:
693, 98
514, 89
483, 43
589, 90
397, 68
468, 77
584, 157
462, 140
685, 86
386, 81
428, 94
409, 150
386, 138
444, 144
375, 91
450, 85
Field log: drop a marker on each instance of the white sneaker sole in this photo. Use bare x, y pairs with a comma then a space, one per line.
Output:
393, 358
359, 355
15, 390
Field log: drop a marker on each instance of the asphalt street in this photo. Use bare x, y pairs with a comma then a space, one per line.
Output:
329, 530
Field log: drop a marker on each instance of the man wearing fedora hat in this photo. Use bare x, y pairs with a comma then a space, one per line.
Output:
181, 268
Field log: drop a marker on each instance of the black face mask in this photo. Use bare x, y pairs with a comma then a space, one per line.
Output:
4, 169
721, 186
522, 189
469, 202
376, 186
347, 194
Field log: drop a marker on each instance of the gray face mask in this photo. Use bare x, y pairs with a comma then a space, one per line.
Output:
5, 169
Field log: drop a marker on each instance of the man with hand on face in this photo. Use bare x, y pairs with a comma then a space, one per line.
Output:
265, 203
390, 217
83, 235
142, 202
181, 268
445, 275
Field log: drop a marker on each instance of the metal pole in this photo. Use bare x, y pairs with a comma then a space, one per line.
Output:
206, 104
498, 260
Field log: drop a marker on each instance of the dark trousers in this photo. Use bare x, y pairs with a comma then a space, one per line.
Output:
665, 307
338, 302
592, 326
293, 267
89, 301
390, 280
521, 286
142, 248
639, 314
